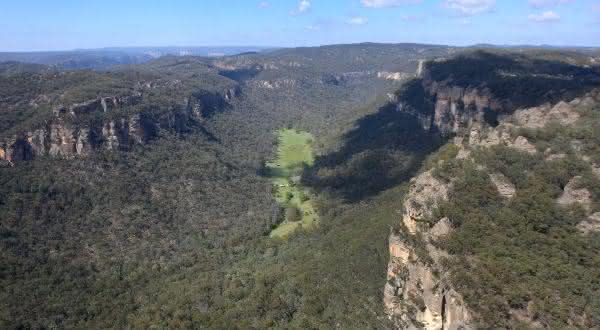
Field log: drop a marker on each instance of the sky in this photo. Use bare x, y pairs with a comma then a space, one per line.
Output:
33, 25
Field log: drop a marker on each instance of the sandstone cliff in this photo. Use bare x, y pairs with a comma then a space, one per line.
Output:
452, 95
448, 109
418, 293
72, 130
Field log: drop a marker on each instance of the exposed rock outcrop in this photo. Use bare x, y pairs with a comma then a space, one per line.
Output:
397, 76
523, 144
276, 83
591, 224
417, 294
573, 194
64, 139
420, 65
426, 192
538, 117
480, 136
505, 188
456, 106
449, 109
68, 134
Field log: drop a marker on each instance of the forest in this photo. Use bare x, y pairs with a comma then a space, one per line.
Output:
184, 230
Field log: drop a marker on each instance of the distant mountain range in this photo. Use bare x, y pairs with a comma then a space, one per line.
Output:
103, 58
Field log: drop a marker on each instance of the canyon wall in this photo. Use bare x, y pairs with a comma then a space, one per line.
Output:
418, 293
74, 131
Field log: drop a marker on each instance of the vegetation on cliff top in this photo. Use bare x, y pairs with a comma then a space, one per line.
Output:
525, 256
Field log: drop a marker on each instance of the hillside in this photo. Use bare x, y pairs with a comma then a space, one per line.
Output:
499, 230
174, 193
140, 182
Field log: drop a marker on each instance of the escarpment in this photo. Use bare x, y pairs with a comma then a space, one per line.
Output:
419, 292
448, 109
475, 110
115, 123
453, 95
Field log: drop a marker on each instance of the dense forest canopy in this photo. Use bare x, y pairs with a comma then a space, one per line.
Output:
183, 227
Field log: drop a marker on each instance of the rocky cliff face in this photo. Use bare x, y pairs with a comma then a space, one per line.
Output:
459, 94
66, 135
418, 293
449, 109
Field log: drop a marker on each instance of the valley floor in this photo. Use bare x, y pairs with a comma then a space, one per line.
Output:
294, 152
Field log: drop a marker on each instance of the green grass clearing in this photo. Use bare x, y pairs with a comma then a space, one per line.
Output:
294, 152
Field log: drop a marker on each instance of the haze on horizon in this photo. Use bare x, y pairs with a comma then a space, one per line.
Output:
39, 25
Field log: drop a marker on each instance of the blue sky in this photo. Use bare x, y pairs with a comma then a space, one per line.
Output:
67, 24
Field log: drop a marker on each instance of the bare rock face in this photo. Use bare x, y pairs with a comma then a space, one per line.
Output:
564, 114
276, 84
425, 193
488, 137
538, 117
64, 137
522, 144
480, 137
453, 108
61, 140
591, 224
441, 229
420, 66
457, 108
397, 76
416, 294
532, 117
504, 186
573, 194
588, 101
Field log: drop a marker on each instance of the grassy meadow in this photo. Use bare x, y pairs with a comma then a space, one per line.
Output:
293, 154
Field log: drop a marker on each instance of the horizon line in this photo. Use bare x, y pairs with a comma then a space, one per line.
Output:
265, 47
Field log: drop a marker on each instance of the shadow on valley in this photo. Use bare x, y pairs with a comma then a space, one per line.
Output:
383, 149
240, 75
387, 147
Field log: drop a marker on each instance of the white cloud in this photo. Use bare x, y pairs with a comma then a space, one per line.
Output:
264, 5
387, 3
548, 3
303, 6
470, 7
547, 16
357, 20
313, 27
